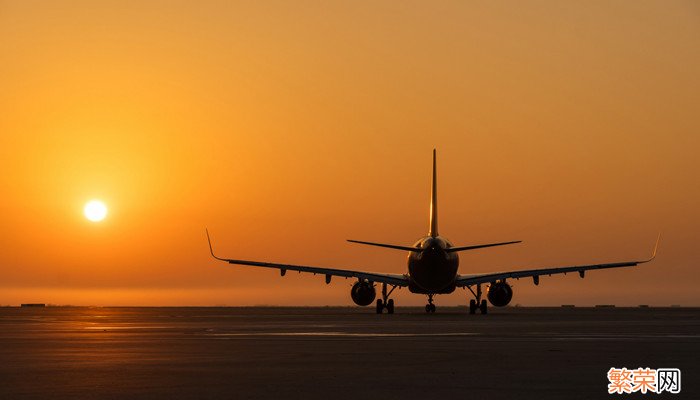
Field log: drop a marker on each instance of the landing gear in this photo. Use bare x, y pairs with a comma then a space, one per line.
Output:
476, 303
385, 301
472, 306
430, 307
483, 307
389, 306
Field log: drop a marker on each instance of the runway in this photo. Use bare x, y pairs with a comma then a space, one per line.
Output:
338, 353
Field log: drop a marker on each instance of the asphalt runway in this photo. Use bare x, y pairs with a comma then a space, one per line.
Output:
339, 353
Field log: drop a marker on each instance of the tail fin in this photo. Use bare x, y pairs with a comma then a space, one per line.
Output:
433, 201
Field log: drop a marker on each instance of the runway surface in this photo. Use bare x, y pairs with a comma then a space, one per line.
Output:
338, 353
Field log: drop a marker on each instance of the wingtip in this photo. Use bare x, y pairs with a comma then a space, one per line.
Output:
656, 246
653, 253
211, 249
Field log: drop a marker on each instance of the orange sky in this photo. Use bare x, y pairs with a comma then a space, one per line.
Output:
287, 127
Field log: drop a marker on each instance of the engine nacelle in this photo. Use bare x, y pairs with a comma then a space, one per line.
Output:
500, 294
363, 293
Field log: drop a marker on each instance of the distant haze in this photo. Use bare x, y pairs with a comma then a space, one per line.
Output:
288, 127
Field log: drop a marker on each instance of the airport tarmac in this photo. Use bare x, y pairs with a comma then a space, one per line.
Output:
338, 353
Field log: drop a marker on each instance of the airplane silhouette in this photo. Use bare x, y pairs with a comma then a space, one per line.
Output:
433, 265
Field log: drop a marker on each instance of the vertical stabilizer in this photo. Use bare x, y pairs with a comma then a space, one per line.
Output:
433, 201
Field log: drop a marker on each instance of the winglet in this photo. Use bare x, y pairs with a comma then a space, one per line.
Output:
211, 250
653, 253
656, 246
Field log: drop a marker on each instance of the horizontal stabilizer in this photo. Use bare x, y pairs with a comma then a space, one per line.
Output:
390, 246
479, 246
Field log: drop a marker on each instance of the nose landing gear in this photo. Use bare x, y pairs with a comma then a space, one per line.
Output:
430, 307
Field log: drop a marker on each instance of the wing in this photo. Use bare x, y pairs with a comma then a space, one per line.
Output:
391, 279
473, 279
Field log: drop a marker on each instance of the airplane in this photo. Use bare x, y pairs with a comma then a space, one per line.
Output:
433, 264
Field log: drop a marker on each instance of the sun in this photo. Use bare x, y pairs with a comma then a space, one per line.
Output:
95, 210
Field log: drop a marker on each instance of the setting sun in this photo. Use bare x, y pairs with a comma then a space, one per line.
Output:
95, 210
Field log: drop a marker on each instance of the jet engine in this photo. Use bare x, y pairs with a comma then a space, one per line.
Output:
363, 293
500, 294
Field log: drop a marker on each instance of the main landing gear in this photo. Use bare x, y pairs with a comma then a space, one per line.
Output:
476, 303
385, 302
473, 306
430, 307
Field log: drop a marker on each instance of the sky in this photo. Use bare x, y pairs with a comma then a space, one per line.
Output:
286, 128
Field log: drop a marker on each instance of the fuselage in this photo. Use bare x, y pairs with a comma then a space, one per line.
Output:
431, 269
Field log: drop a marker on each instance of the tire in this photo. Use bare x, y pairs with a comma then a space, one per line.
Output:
472, 306
483, 307
427, 308
432, 308
380, 306
390, 306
